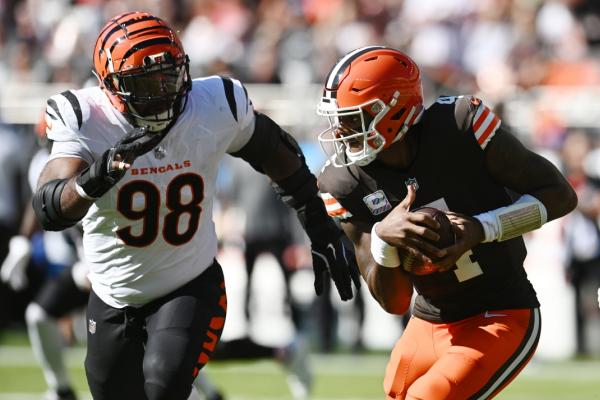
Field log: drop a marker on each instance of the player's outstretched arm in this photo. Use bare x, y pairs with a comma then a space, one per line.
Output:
298, 188
274, 152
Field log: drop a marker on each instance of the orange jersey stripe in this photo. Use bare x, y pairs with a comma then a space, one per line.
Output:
491, 128
481, 118
337, 212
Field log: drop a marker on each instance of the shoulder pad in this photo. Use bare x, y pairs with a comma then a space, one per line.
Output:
473, 116
237, 97
478, 119
224, 90
65, 112
68, 108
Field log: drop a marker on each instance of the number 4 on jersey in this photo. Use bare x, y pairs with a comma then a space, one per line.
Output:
466, 267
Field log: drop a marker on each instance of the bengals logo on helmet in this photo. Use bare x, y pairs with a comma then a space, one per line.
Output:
142, 68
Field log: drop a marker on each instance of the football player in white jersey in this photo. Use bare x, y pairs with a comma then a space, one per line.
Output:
135, 159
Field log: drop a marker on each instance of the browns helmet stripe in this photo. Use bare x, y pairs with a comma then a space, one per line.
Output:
333, 78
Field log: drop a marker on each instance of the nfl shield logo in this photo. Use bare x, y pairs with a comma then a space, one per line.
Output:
412, 182
92, 326
159, 153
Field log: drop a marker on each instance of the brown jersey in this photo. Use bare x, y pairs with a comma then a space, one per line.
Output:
450, 174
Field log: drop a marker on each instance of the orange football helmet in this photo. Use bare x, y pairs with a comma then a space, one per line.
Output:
372, 96
143, 69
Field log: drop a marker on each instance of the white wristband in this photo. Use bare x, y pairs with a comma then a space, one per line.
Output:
524, 215
82, 193
383, 253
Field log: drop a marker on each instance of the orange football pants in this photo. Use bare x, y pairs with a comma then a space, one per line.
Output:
473, 358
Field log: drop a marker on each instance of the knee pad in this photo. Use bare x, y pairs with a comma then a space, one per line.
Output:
34, 314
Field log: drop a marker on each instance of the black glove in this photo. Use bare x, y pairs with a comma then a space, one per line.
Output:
330, 256
100, 177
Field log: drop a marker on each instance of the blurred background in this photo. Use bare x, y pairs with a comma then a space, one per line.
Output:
537, 63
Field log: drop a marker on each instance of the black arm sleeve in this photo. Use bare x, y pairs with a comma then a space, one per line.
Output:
295, 190
46, 204
299, 190
265, 141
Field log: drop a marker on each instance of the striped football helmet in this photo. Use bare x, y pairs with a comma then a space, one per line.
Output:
143, 69
371, 97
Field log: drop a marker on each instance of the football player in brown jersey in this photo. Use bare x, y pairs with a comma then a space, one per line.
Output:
476, 319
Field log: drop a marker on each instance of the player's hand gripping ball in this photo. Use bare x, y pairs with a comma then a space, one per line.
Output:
447, 238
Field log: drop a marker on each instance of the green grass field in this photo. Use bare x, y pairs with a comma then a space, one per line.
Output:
337, 377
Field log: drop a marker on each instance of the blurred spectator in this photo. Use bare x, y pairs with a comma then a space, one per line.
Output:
494, 46
582, 168
268, 228
497, 47
14, 153
63, 289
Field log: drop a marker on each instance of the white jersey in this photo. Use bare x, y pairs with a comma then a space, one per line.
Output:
153, 232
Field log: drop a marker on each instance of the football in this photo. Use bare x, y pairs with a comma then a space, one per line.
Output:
447, 238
